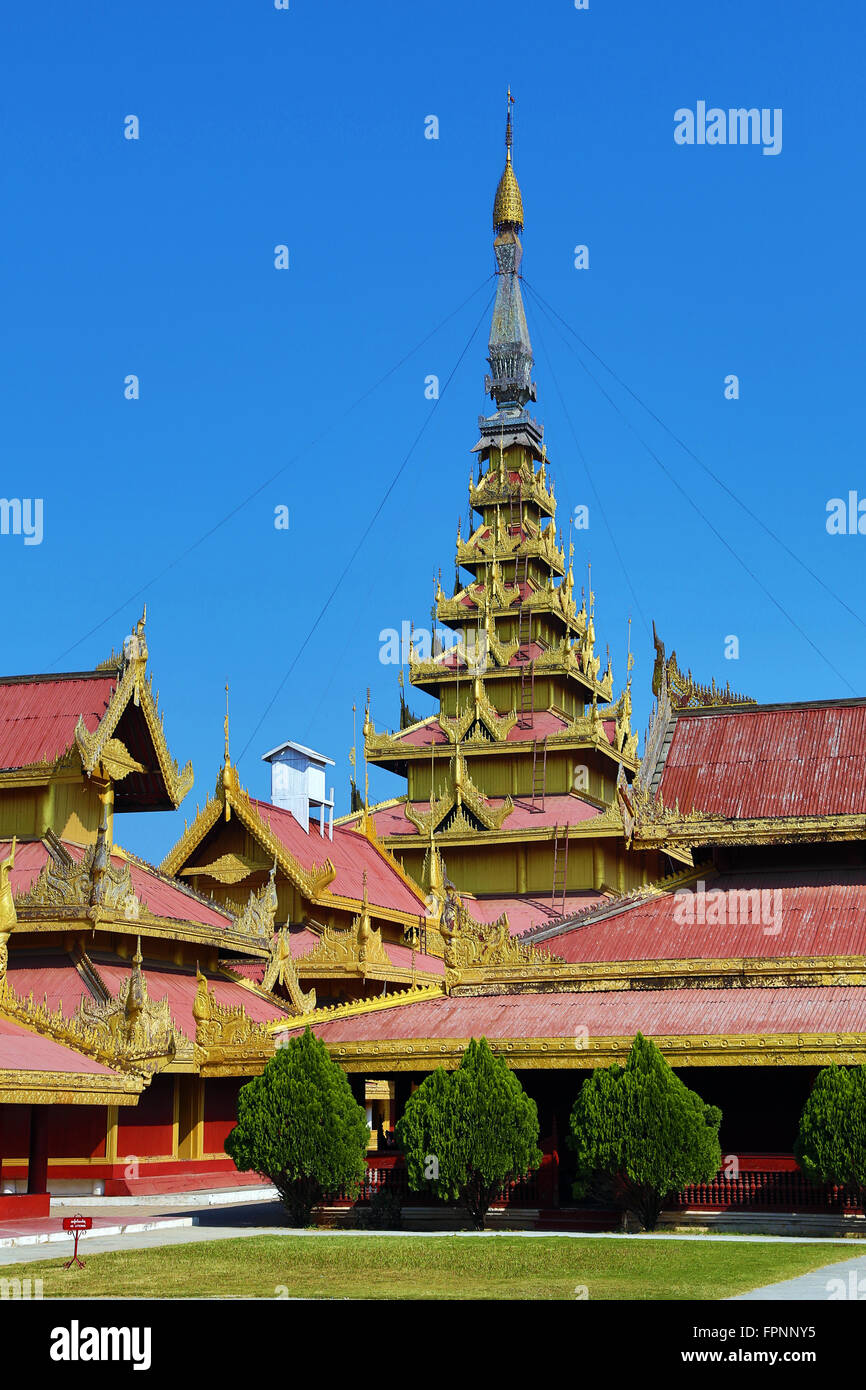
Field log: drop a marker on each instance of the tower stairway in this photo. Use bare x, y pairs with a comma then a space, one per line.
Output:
526, 712
560, 865
539, 773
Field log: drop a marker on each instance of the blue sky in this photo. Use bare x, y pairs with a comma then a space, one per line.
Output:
305, 127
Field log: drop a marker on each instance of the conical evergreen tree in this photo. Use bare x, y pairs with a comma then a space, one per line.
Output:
300, 1126
831, 1144
468, 1132
641, 1129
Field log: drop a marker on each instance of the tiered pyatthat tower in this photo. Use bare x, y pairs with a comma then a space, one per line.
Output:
514, 781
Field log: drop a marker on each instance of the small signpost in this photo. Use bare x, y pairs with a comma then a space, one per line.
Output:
76, 1224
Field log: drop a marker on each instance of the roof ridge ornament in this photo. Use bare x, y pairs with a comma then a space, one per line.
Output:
8, 915
683, 690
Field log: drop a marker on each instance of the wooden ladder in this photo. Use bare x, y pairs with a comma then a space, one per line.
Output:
515, 512
526, 719
560, 865
539, 773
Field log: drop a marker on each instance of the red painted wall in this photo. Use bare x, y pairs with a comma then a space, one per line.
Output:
75, 1131
145, 1130
220, 1110
14, 1131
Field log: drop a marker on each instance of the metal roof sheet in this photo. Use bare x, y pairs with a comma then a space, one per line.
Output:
614, 1013
38, 717
781, 762
783, 913
21, 1050
350, 853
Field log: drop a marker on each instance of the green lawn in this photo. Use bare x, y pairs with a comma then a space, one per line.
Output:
502, 1267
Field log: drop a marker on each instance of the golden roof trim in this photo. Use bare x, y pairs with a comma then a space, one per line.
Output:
326, 1014
387, 1055
136, 685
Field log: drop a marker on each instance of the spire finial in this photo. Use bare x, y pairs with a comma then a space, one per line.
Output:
508, 204
226, 727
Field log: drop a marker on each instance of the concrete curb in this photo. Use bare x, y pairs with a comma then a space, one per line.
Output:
134, 1228
221, 1197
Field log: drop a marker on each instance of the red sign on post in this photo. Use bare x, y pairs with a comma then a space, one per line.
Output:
76, 1224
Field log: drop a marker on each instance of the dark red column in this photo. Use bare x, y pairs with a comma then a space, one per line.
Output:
37, 1166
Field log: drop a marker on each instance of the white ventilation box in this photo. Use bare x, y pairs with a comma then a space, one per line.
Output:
298, 784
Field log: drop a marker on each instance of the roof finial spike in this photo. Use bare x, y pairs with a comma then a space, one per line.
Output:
508, 204
226, 727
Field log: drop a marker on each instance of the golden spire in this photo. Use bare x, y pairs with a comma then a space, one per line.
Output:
227, 766
508, 204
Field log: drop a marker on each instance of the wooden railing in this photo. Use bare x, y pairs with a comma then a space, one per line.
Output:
769, 1191
765, 1182
387, 1172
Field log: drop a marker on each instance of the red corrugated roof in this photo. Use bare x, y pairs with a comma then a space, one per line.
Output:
163, 898
179, 988
174, 901
21, 1050
38, 717
525, 910
615, 1013
48, 975
775, 762
30, 857
819, 912
53, 976
350, 853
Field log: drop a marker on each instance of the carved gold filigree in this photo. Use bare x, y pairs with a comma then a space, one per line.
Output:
484, 546
227, 869
418, 1054
94, 882
232, 799
355, 950
133, 1026
83, 1033
222, 1025
567, 656
479, 714
473, 945
646, 817
495, 488
118, 762
413, 994
257, 918
452, 804
683, 690
8, 915
281, 970
134, 684
624, 741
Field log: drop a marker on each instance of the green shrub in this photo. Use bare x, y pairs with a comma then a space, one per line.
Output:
300, 1126
640, 1133
468, 1132
831, 1143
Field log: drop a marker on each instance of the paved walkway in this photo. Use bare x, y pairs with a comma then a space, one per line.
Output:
844, 1281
